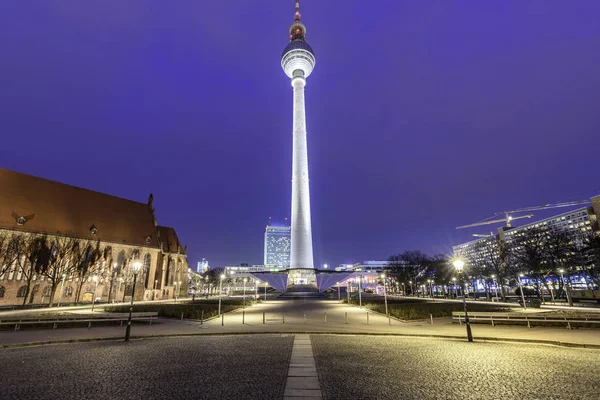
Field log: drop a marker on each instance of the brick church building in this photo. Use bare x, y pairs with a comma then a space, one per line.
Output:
64, 244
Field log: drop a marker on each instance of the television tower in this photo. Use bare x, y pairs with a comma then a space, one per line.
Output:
298, 61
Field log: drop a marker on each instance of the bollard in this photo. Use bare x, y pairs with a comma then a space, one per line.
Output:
305, 318
367, 318
326, 317
264, 318
222, 319
182, 316
243, 317
90, 324
431, 318
346, 317
493, 325
528, 324
389, 320
459, 321
283, 317
569, 325
202, 317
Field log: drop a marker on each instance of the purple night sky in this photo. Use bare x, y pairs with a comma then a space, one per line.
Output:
422, 115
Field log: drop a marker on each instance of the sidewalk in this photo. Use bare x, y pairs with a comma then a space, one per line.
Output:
309, 317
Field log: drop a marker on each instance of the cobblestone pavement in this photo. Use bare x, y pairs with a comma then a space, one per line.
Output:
234, 367
363, 367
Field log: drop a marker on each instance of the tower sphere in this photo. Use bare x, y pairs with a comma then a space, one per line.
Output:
298, 58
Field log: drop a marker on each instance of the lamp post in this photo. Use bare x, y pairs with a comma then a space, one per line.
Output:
136, 268
403, 289
95, 279
454, 287
459, 266
256, 290
495, 286
565, 284
359, 290
221, 277
62, 285
430, 287
155, 284
244, 300
385, 295
412, 293
113, 275
348, 291
521, 290
338, 288
265, 291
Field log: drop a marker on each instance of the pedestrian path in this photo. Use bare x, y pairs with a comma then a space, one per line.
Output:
302, 379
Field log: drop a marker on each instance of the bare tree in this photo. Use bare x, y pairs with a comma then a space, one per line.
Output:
10, 251
591, 258
59, 261
85, 258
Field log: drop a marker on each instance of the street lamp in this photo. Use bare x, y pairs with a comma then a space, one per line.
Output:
348, 291
338, 288
256, 290
459, 265
430, 287
61, 289
411, 288
359, 290
521, 289
244, 300
385, 295
495, 286
221, 277
562, 276
136, 268
454, 286
265, 291
95, 279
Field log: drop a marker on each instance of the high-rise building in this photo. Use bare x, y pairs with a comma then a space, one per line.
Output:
298, 61
277, 245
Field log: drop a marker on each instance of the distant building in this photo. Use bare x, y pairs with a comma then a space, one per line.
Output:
577, 224
277, 245
202, 266
364, 266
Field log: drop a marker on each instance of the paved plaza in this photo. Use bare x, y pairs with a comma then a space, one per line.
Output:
283, 367
307, 316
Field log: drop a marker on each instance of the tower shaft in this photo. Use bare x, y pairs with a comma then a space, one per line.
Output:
301, 255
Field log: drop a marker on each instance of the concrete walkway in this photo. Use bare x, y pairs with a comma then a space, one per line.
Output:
309, 316
302, 379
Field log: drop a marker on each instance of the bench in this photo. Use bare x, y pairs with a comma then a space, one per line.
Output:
523, 319
78, 319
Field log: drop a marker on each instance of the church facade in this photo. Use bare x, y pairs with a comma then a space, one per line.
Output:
63, 244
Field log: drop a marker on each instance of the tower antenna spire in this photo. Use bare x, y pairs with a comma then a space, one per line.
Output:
297, 16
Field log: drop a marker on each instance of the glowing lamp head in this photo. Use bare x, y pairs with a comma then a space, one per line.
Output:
521, 275
222, 276
459, 265
136, 267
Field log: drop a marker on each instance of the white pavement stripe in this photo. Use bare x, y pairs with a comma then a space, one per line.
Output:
302, 380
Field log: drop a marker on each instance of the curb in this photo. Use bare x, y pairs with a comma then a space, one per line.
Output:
452, 337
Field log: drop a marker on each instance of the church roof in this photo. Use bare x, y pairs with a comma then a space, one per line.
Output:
171, 243
32, 204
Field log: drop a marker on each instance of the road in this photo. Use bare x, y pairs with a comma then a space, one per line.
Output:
255, 367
